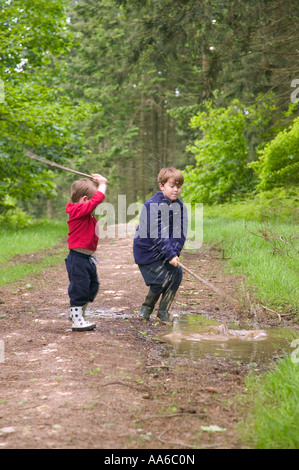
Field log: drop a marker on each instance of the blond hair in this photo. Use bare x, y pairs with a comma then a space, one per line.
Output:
83, 187
167, 173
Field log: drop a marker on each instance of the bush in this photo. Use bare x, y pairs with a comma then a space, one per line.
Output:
11, 216
278, 164
221, 155
276, 205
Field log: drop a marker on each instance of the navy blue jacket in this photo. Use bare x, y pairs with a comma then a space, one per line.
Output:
162, 230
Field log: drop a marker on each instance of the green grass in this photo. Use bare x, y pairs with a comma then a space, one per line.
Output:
30, 239
40, 237
273, 272
277, 205
273, 403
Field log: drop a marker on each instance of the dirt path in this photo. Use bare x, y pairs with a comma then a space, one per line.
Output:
116, 387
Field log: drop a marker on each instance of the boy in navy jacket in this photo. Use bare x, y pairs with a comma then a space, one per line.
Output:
158, 242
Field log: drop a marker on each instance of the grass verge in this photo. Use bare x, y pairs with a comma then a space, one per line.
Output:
18, 244
266, 254
273, 403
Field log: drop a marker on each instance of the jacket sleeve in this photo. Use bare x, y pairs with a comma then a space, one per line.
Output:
158, 229
184, 228
179, 222
82, 209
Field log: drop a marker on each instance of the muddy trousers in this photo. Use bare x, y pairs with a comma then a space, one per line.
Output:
84, 284
163, 280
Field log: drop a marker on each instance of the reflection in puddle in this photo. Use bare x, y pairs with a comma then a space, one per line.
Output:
197, 336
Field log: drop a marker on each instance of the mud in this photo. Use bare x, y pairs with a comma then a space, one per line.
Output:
121, 386
197, 337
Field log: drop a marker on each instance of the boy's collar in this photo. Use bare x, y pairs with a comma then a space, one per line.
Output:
165, 199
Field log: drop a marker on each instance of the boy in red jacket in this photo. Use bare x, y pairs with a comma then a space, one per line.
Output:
86, 195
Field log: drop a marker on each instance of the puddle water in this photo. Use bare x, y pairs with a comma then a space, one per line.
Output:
107, 312
198, 337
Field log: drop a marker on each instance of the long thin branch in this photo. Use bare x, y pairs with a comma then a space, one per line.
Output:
270, 310
183, 444
229, 300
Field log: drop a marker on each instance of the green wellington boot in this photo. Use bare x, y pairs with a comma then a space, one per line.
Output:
165, 303
148, 305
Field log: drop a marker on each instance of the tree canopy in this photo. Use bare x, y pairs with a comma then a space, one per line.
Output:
34, 110
125, 87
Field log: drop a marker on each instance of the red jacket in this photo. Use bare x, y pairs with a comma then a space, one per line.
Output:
82, 223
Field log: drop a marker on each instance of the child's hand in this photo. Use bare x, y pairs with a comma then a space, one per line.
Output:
102, 182
99, 178
174, 261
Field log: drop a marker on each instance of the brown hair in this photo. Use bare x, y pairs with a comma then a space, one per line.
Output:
167, 173
83, 187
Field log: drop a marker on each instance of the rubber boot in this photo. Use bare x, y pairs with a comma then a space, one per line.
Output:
148, 305
79, 323
165, 303
83, 312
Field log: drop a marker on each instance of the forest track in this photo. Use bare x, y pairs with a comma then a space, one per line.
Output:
117, 387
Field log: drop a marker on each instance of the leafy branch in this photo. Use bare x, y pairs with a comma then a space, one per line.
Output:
274, 239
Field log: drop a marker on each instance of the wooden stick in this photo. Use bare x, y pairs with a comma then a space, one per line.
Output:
48, 162
232, 302
270, 310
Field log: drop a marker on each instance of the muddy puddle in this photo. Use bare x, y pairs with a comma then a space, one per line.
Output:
198, 336
106, 312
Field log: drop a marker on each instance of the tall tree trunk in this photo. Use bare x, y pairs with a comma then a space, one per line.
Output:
173, 143
166, 140
162, 162
155, 146
50, 208
207, 85
141, 178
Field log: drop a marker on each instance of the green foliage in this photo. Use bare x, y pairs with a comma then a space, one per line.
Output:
131, 136
278, 164
96, 75
221, 155
34, 113
12, 216
133, 72
149, 63
39, 237
232, 137
255, 250
241, 48
276, 205
273, 402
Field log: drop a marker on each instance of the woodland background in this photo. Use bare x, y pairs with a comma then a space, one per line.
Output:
124, 88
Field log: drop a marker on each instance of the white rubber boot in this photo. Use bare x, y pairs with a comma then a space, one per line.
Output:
83, 312
79, 324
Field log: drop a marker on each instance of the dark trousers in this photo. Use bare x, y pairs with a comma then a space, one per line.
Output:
161, 276
83, 278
